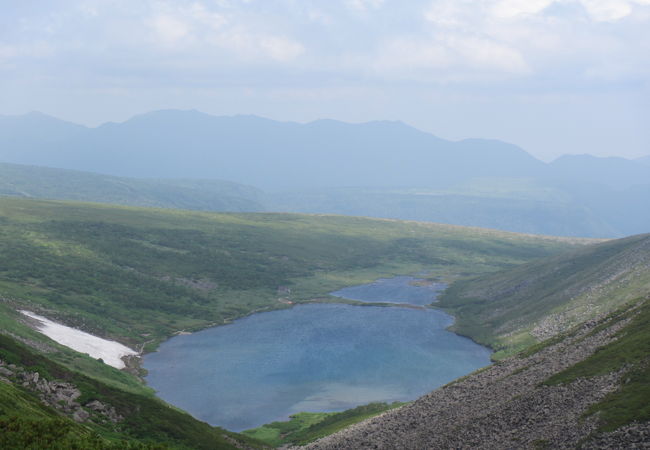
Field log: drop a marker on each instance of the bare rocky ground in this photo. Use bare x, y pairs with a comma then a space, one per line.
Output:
505, 406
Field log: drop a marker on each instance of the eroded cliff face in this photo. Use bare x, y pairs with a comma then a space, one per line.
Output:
509, 405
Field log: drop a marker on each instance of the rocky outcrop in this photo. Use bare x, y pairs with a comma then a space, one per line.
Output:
505, 406
634, 436
59, 395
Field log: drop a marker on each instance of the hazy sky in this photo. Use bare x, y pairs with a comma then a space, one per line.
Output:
553, 76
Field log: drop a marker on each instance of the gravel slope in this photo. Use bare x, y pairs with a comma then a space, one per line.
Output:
505, 406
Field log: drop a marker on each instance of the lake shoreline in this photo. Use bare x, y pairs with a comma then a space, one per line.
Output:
387, 323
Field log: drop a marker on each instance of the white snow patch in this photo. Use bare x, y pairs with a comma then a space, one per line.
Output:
110, 352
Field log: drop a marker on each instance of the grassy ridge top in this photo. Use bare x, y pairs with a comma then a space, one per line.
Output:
514, 308
61, 184
139, 275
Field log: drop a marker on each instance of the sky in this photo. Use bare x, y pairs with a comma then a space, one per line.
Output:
552, 76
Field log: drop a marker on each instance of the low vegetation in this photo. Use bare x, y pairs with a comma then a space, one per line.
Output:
629, 353
139, 275
514, 308
145, 418
60, 184
306, 427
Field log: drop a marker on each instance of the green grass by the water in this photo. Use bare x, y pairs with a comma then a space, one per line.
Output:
306, 427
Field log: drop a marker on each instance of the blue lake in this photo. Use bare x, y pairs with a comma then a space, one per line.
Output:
316, 357
394, 290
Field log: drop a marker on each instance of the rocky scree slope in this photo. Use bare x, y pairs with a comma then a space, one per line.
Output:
585, 388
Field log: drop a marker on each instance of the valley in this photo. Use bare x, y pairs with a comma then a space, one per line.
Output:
336, 225
138, 276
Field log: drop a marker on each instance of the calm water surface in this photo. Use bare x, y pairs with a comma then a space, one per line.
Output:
394, 290
317, 357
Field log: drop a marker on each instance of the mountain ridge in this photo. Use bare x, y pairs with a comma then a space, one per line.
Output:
308, 167
270, 154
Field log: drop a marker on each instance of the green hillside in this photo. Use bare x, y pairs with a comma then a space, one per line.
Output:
517, 307
628, 354
306, 427
140, 275
124, 419
61, 184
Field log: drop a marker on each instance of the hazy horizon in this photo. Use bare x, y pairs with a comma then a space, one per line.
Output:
551, 76
98, 125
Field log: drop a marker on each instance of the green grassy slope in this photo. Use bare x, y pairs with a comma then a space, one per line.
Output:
516, 307
138, 275
630, 352
26, 423
61, 184
306, 427
146, 419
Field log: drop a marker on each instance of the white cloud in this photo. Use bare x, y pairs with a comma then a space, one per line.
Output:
168, 28
536, 37
429, 40
450, 13
456, 12
450, 58
232, 53
280, 48
607, 10
204, 31
364, 5
318, 16
508, 9
405, 54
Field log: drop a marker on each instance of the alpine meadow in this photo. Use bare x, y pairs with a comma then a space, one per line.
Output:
341, 225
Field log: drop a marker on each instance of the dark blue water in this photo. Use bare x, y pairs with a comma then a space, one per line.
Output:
393, 290
318, 357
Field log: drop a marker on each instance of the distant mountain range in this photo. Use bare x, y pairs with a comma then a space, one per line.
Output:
380, 169
260, 152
